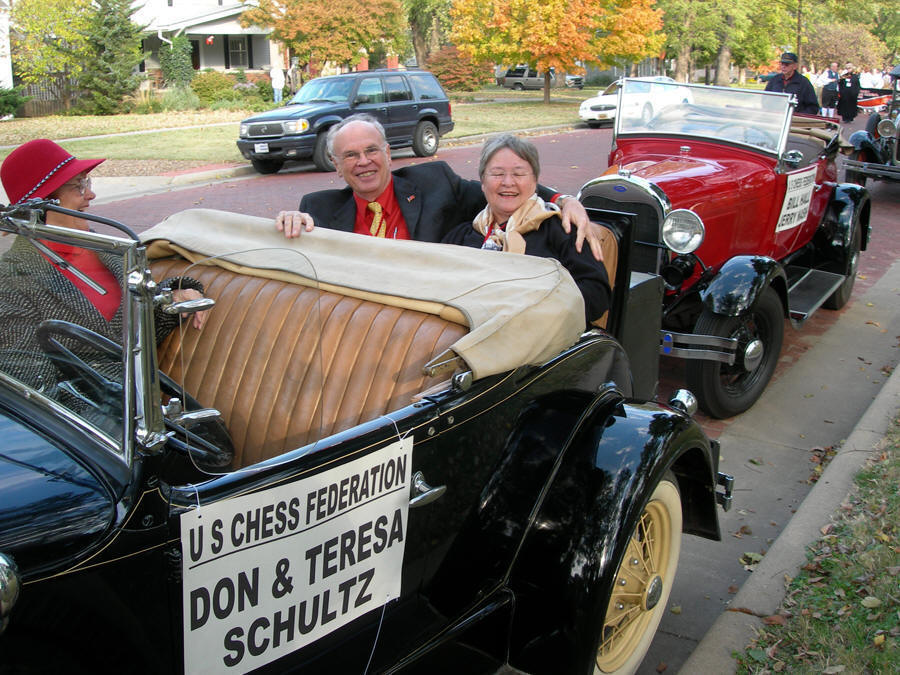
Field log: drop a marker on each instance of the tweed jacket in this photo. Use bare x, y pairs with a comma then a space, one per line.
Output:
432, 198
33, 290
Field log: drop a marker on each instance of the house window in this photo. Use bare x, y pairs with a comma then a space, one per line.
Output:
237, 52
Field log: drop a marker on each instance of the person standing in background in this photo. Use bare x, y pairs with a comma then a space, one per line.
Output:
277, 75
848, 93
828, 81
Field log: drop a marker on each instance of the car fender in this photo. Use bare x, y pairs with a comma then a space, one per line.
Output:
431, 115
862, 141
850, 207
563, 573
740, 282
324, 122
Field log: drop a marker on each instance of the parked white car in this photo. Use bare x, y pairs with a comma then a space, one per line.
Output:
649, 99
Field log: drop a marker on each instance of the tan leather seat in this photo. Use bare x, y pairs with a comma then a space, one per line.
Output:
286, 364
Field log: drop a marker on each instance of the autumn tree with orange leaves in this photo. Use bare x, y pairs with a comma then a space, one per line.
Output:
331, 31
556, 33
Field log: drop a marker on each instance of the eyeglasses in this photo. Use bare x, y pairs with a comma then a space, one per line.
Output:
81, 184
515, 175
371, 153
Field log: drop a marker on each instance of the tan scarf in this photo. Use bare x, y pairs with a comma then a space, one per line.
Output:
527, 218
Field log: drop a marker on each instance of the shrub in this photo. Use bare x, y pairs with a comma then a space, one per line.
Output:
253, 105
10, 100
458, 72
212, 85
251, 91
180, 98
175, 62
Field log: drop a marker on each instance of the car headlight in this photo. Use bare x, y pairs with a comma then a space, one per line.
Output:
245, 130
886, 128
296, 126
683, 231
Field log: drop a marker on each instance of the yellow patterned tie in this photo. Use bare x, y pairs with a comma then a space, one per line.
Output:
378, 225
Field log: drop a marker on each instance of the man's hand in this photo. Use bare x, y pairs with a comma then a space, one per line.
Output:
572, 212
185, 294
292, 223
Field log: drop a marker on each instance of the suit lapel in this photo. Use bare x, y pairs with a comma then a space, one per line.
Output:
344, 218
410, 202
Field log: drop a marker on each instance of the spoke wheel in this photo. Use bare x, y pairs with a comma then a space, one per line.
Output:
642, 583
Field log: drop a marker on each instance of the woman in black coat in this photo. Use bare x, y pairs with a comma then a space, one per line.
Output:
848, 93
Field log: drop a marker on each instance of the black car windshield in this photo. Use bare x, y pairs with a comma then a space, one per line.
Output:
61, 308
324, 89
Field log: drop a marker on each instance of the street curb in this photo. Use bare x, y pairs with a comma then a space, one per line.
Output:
762, 593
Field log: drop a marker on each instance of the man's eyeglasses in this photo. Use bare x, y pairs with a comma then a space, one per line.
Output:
80, 184
352, 156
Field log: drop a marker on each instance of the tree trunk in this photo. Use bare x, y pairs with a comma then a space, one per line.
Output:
436, 39
547, 87
723, 66
419, 49
683, 66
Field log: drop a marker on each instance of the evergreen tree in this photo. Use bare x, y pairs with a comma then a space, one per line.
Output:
109, 75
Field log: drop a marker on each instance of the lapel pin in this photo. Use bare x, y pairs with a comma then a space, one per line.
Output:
410, 198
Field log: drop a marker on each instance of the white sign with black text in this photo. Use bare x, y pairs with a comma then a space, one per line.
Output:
797, 197
267, 573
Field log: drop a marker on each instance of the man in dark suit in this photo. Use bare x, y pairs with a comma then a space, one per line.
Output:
421, 202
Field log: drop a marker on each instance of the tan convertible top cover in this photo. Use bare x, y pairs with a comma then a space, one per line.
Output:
519, 309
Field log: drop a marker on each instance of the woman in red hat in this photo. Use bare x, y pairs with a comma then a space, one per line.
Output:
47, 280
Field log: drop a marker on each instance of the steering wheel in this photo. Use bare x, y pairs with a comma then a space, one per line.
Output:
764, 138
208, 442
96, 385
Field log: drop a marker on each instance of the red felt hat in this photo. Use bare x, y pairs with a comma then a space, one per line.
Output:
37, 168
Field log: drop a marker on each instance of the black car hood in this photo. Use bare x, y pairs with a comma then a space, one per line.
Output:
296, 111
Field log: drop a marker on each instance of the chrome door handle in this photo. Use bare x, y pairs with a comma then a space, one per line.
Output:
421, 493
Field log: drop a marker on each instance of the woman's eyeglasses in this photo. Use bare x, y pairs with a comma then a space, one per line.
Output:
80, 184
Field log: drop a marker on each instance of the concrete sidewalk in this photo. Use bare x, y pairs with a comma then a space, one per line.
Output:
761, 595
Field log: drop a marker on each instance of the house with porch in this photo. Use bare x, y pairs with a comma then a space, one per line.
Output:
217, 38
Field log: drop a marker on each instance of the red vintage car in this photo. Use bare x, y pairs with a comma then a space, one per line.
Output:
739, 209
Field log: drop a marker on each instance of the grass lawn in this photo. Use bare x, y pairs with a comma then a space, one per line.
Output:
842, 612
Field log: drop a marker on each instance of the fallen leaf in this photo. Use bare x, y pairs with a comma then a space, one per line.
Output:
750, 557
675, 609
661, 667
839, 592
878, 641
756, 461
770, 652
775, 620
778, 667
733, 589
871, 602
834, 670
826, 529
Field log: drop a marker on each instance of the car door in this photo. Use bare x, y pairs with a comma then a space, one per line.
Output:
370, 99
403, 111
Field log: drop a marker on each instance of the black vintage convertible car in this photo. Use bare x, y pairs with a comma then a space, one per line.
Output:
356, 466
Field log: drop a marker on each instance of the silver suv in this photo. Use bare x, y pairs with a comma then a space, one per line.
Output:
525, 77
